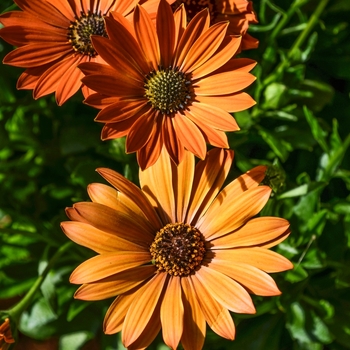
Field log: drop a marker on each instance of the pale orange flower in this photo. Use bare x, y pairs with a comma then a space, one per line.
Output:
171, 85
6, 338
239, 13
53, 37
178, 253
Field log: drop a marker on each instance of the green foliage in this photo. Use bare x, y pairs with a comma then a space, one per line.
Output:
300, 127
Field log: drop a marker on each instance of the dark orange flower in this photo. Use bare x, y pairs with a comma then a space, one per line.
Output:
178, 253
53, 37
6, 338
239, 13
172, 85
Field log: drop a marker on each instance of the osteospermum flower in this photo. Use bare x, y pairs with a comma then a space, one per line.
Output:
6, 338
54, 37
178, 253
172, 85
239, 13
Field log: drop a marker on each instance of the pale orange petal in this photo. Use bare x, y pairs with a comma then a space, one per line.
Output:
142, 308
261, 258
230, 294
253, 279
172, 313
254, 233
194, 322
210, 175
97, 240
114, 285
108, 264
147, 37
217, 316
232, 212
156, 183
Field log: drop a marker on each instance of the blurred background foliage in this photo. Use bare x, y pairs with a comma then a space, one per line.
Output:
300, 127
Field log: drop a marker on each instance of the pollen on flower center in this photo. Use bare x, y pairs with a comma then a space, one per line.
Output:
80, 31
167, 90
178, 249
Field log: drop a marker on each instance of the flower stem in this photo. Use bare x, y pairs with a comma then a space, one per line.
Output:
298, 42
18, 309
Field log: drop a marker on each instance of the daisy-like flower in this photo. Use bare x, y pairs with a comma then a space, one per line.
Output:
53, 37
6, 338
170, 85
178, 253
239, 13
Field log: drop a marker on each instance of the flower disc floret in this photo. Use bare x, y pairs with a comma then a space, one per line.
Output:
178, 249
167, 90
80, 31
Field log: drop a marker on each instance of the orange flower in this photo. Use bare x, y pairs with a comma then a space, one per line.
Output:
171, 85
5, 335
54, 37
178, 253
239, 13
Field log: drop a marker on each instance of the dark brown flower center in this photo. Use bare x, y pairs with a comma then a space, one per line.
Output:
178, 249
192, 7
80, 31
167, 90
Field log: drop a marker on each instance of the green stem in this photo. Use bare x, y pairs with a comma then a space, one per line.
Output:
18, 309
299, 41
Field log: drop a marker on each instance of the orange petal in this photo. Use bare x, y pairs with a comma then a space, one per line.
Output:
210, 175
172, 313
166, 33
115, 222
132, 192
97, 240
123, 7
220, 57
100, 101
194, 322
204, 47
142, 308
253, 279
261, 258
223, 83
64, 7
156, 183
114, 285
255, 232
238, 64
147, 37
232, 212
198, 25
231, 103
29, 78
217, 317
230, 295
108, 264
172, 143
190, 136
276, 241
180, 20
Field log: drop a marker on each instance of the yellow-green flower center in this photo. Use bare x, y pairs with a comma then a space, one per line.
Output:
167, 90
178, 249
80, 31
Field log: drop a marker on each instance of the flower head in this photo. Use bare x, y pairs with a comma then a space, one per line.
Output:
53, 37
171, 85
6, 338
239, 13
178, 253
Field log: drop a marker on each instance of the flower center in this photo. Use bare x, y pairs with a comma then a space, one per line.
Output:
167, 90
178, 249
192, 7
80, 31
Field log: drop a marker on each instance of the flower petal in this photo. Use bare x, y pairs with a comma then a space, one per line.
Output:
142, 308
172, 313
254, 233
97, 240
108, 264
232, 212
217, 317
230, 295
